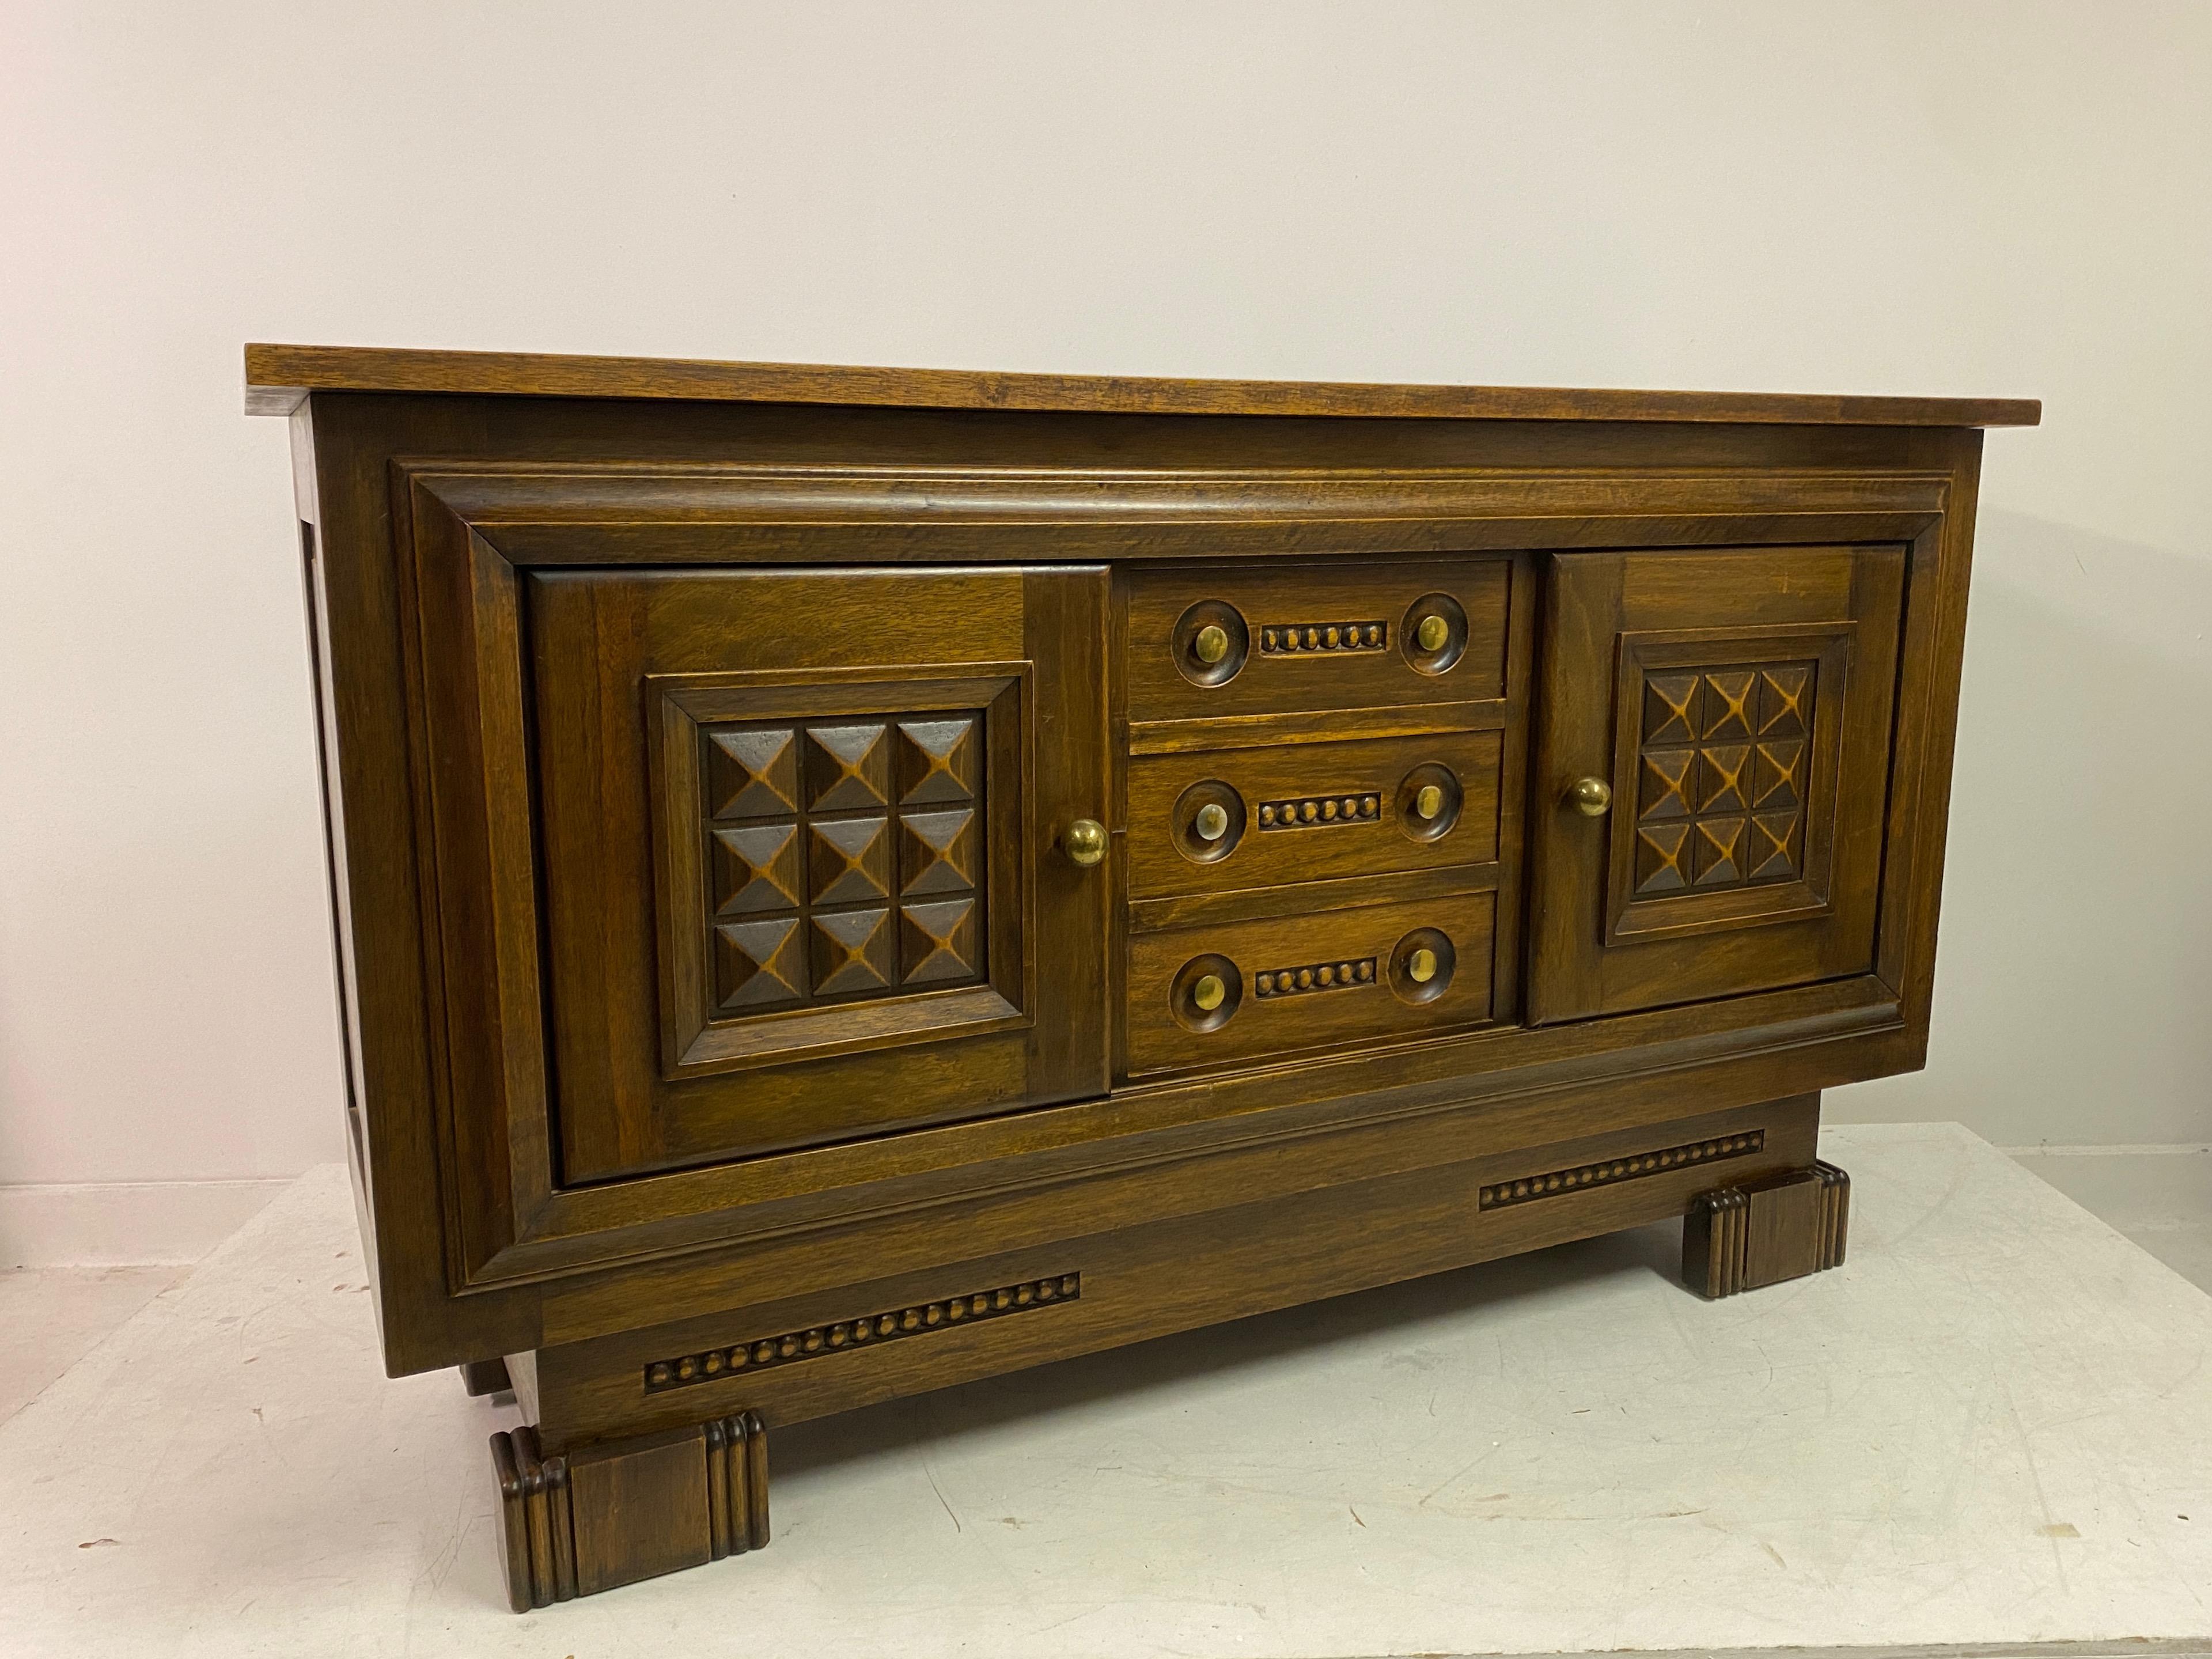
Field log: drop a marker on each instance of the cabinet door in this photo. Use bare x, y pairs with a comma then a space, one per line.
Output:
799, 836
1711, 771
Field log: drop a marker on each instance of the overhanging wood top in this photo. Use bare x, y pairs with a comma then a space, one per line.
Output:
278, 376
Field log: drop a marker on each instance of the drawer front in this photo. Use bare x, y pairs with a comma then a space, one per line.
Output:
1234, 818
1278, 638
1299, 983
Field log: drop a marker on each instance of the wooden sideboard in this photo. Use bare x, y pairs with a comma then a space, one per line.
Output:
851, 880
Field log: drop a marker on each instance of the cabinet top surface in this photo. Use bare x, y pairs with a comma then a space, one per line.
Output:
277, 377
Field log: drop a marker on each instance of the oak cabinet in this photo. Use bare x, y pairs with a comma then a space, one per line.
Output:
849, 881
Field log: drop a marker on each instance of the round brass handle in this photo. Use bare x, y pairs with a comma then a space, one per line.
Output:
1432, 633
1207, 994
1421, 966
1213, 821
1429, 801
1083, 841
1591, 796
1211, 644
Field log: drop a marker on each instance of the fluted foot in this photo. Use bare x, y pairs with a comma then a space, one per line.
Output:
1739, 1238
621, 1510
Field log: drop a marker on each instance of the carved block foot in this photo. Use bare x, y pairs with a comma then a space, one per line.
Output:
484, 1376
621, 1510
1738, 1238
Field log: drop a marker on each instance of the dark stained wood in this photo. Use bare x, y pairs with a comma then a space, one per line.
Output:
1299, 983
851, 1015
1743, 1238
1138, 1283
626, 1509
485, 1377
1737, 705
715, 978
278, 376
1298, 813
1292, 631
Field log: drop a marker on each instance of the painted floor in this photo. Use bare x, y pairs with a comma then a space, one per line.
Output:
1993, 1425
51, 1317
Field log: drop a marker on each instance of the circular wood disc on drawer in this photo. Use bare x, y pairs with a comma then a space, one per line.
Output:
1433, 635
1429, 801
1208, 821
1422, 966
1209, 643
1206, 992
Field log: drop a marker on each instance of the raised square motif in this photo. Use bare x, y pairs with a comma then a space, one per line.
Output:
1777, 846
938, 942
1785, 701
1663, 791
753, 772
938, 760
1721, 783
850, 952
937, 851
848, 860
1718, 852
1778, 774
1668, 700
1724, 705
756, 868
758, 964
1662, 858
848, 767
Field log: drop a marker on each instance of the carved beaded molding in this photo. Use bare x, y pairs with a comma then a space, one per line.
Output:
1288, 639
1320, 977
1606, 1171
761, 1352
1316, 812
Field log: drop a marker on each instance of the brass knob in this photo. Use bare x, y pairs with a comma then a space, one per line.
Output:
1207, 994
1429, 801
1211, 644
1421, 966
1432, 633
1591, 796
1083, 841
1213, 821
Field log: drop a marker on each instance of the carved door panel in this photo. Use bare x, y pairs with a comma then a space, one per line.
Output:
1711, 772
799, 843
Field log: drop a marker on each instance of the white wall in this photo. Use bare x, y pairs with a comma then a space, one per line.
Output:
2005, 198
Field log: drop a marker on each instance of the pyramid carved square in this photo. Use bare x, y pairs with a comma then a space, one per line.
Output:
753, 772
938, 942
756, 868
938, 760
851, 950
848, 767
848, 860
758, 964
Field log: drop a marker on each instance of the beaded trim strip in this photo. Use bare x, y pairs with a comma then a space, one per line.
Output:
1605, 1173
1289, 639
761, 1352
1321, 976
1317, 811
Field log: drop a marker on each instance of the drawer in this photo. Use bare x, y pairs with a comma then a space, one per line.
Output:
1222, 819
1299, 983
1262, 639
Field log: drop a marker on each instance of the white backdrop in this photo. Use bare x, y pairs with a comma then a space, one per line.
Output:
1995, 198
